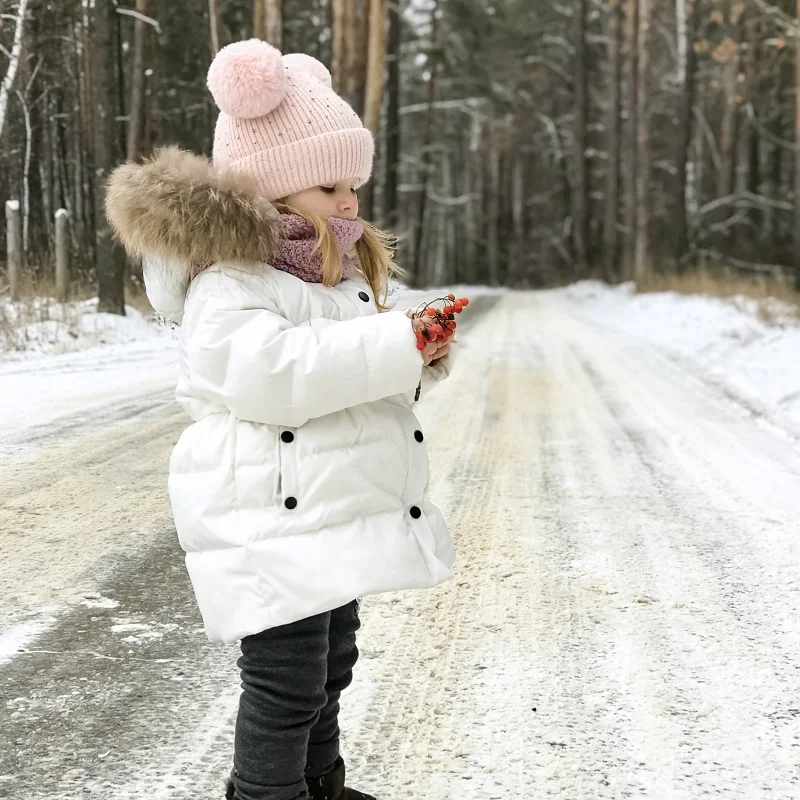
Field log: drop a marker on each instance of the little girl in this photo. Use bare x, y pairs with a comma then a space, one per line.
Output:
302, 483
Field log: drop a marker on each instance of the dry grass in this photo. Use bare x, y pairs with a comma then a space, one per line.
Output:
763, 289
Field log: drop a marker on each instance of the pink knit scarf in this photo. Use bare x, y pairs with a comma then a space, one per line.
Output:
298, 238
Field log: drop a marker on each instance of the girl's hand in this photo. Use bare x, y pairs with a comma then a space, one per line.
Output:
432, 350
444, 349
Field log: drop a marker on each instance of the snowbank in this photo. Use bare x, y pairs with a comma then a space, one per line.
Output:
751, 348
40, 326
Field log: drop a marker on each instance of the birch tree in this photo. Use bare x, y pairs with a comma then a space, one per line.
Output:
13, 62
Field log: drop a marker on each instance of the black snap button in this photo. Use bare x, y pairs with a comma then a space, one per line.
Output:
291, 502
418, 436
363, 296
415, 512
287, 437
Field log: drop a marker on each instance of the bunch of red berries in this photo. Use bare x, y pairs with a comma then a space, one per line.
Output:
440, 322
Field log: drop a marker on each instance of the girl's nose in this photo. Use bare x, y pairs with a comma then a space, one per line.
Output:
347, 204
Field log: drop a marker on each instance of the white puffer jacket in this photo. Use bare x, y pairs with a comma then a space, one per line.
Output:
302, 483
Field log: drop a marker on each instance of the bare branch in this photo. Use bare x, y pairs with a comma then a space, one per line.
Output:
129, 12
788, 23
753, 119
469, 105
745, 200
715, 255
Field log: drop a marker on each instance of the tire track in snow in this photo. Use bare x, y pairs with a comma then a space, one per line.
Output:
628, 565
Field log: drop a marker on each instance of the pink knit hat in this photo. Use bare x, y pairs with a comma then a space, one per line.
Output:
282, 124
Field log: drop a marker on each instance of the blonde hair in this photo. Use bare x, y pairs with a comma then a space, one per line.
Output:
373, 254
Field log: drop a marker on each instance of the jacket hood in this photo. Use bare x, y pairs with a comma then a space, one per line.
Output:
180, 215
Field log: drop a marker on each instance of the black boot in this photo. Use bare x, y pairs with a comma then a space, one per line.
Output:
331, 787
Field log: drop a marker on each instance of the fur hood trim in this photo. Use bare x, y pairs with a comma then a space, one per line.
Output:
180, 215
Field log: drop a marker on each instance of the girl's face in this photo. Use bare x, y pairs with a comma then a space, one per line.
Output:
337, 200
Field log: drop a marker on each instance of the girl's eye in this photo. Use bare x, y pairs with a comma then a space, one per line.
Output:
328, 189
354, 190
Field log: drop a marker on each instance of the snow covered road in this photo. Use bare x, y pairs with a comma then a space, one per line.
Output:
624, 622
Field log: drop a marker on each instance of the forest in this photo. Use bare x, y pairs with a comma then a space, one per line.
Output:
520, 143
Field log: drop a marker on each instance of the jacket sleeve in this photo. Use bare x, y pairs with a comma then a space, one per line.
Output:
264, 369
433, 374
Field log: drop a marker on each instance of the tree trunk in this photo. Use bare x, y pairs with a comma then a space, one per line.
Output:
26, 172
213, 26
375, 65
339, 61
481, 231
642, 247
580, 194
13, 63
747, 156
357, 44
472, 190
135, 123
630, 181
613, 139
373, 93
152, 75
349, 52
268, 21
770, 230
796, 242
517, 265
493, 217
727, 136
426, 142
686, 32
108, 257
390, 199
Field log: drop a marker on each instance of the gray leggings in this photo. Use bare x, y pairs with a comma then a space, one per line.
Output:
288, 725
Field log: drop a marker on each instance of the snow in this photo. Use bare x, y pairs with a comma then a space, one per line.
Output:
17, 637
40, 326
749, 348
623, 621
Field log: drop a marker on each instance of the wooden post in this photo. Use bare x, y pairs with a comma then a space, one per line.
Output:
13, 246
62, 254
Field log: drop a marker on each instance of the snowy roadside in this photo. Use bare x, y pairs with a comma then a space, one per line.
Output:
63, 360
753, 359
40, 327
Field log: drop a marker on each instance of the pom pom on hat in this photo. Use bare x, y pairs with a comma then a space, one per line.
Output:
248, 79
310, 65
